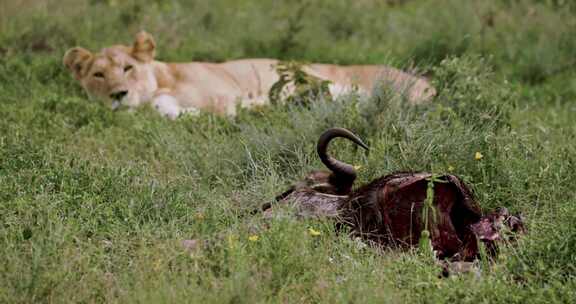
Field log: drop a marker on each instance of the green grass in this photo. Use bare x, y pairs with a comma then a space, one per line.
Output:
94, 204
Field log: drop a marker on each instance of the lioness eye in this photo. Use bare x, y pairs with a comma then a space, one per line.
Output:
127, 68
99, 75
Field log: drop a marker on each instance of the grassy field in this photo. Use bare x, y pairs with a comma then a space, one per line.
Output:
94, 204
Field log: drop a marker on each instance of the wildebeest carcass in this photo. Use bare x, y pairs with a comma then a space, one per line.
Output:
321, 192
394, 210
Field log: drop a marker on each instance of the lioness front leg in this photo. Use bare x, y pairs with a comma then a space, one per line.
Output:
169, 106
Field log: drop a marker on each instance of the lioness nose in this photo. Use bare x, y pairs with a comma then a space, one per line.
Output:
118, 95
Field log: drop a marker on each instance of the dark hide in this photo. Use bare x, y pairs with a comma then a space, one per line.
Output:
388, 211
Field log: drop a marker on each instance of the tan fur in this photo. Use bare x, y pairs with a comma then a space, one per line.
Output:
175, 88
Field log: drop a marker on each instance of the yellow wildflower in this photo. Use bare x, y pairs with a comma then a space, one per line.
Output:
450, 168
314, 232
253, 238
478, 156
231, 241
357, 167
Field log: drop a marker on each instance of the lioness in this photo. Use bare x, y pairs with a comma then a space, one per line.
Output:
130, 76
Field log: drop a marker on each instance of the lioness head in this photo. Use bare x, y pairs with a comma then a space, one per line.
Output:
118, 75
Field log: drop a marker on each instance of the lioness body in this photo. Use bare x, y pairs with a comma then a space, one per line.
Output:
130, 76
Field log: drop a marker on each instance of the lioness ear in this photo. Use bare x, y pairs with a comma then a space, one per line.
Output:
144, 48
76, 60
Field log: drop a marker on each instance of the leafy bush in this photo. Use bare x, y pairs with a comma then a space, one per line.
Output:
306, 87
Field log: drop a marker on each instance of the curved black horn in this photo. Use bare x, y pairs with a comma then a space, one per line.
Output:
335, 165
